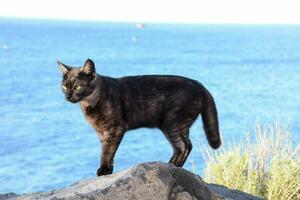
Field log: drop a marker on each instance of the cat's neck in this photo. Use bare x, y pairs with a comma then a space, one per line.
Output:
94, 97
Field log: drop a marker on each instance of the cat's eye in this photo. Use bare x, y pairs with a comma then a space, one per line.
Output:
77, 87
64, 87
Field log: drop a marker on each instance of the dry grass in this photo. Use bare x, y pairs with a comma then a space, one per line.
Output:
268, 166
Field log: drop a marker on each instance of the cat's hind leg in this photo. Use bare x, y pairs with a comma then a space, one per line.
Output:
181, 144
189, 146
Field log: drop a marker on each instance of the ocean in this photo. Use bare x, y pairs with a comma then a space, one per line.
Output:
253, 72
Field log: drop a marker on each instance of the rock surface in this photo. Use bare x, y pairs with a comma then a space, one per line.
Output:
148, 181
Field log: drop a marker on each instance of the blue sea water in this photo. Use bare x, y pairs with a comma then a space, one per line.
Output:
252, 71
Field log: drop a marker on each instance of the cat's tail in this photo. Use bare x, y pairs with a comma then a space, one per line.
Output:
210, 122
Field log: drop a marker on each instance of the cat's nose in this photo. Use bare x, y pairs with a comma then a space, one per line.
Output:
68, 96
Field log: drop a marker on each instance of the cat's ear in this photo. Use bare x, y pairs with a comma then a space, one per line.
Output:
64, 69
89, 68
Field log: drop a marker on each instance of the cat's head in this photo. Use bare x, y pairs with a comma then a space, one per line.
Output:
78, 82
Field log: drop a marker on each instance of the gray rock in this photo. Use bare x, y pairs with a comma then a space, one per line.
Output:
148, 181
228, 194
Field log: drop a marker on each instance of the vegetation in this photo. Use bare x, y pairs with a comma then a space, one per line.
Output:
267, 166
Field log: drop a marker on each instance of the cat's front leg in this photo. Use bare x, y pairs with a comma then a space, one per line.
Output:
110, 141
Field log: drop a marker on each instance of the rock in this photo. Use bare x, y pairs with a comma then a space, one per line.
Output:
148, 181
228, 194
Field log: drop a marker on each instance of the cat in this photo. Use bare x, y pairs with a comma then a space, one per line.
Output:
115, 105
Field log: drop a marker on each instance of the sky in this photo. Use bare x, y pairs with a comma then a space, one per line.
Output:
164, 11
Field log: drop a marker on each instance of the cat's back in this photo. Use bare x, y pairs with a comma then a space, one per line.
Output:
159, 83
154, 78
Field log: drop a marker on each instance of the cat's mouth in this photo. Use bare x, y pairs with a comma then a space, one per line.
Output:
73, 100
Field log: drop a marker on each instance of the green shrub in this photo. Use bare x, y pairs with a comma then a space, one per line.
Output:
268, 166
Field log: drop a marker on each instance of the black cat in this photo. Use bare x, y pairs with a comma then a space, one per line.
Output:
114, 105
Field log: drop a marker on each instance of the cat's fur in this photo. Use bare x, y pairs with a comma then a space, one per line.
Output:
114, 105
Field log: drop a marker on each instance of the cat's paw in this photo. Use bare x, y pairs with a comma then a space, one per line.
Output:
104, 170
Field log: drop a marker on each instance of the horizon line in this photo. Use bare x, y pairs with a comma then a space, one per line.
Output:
26, 18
